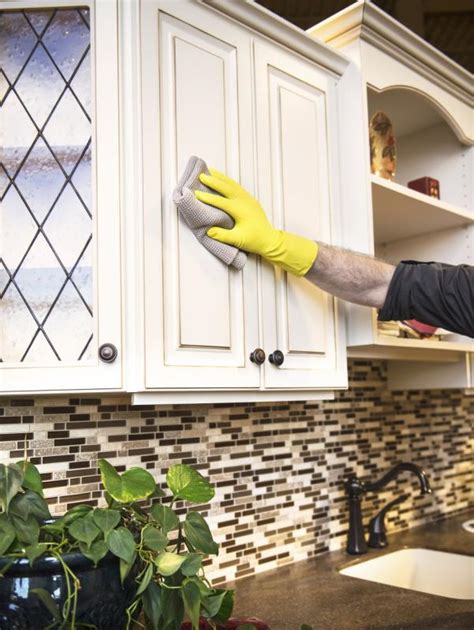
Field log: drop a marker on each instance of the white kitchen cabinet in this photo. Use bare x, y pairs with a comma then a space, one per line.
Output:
60, 279
93, 251
201, 317
428, 98
294, 130
217, 82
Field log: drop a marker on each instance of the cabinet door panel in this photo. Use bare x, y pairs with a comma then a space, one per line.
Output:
209, 321
59, 215
296, 188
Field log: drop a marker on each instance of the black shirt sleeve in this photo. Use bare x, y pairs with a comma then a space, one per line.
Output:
433, 293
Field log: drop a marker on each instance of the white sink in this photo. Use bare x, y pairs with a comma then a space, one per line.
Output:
434, 572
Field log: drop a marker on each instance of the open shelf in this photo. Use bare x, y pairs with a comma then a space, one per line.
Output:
400, 212
427, 145
426, 344
368, 342
394, 348
409, 225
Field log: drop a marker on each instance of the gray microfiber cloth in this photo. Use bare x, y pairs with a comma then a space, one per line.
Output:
201, 216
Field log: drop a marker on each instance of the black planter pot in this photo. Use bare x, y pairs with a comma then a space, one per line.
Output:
102, 600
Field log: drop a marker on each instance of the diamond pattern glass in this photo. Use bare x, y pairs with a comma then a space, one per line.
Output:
18, 229
3, 181
17, 133
40, 180
39, 86
46, 219
3, 86
16, 43
68, 121
67, 39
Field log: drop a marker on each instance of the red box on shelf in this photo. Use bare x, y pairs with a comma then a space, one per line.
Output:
425, 185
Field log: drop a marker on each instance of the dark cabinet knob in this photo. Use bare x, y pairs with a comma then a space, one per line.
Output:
108, 352
258, 356
277, 357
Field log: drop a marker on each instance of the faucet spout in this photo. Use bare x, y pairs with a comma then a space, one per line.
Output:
395, 471
356, 488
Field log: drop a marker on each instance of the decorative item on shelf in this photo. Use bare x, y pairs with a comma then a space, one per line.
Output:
425, 185
424, 330
410, 329
383, 157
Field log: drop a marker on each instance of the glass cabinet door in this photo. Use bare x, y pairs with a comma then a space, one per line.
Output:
59, 209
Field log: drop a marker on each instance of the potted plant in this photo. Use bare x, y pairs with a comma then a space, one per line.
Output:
116, 567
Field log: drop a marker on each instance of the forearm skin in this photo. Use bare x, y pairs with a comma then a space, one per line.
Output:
351, 276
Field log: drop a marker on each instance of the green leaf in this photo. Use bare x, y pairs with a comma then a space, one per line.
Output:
19, 506
192, 603
11, 478
106, 520
84, 529
165, 516
125, 567
49, 602
37, 505
5, 524
134, 485
151, 599
246, 626
56, 528
35, 551
139, 512
172, 608
168, 563
7, 534
198, 533
6, 539
108, 499
31, 478
26, 531
95, 552
226, 606
78, 511
213, 603
191, 565
187, 483
121, 543
306, 627
154, 539
146, 579
157, 493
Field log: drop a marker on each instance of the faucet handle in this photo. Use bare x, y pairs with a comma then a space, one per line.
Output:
377, 535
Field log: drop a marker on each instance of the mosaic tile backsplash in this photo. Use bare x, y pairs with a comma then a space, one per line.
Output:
278, 468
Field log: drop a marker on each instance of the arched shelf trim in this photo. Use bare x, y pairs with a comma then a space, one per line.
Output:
442, 111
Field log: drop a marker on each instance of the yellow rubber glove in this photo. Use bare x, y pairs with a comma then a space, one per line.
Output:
252, 231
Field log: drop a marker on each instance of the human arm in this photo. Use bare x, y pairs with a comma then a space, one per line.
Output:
351, 276
440, 295
348, 275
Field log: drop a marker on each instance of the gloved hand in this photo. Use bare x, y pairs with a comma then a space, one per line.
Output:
252, 231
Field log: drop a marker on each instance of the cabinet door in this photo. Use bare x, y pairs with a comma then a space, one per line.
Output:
200, 315
59, 212
297, 182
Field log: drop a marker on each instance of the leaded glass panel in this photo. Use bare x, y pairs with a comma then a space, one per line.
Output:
46, 220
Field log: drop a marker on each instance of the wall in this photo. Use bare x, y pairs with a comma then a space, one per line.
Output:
278, 468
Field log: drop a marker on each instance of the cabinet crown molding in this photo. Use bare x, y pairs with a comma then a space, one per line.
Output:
253, 15
364, 20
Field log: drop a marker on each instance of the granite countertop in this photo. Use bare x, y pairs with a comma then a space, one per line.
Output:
313, 592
